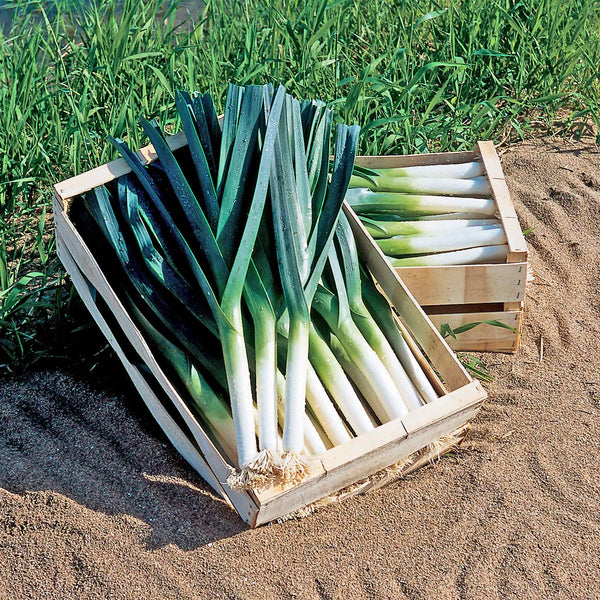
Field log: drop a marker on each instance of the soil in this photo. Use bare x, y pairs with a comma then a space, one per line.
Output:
96, 504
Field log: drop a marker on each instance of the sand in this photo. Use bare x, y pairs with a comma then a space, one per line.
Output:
96, 504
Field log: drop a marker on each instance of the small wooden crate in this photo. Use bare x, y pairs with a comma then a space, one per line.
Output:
462, 294
357, 464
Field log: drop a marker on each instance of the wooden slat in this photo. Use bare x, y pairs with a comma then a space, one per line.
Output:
388, 433
414, 160
436, 349
466, 284
376, 450
517, 247
243, 501
174, 433
484, 338
469, 396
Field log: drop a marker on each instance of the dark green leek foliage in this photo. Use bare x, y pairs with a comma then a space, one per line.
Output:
218, 241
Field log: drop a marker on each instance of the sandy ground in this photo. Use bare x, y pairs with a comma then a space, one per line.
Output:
95, 503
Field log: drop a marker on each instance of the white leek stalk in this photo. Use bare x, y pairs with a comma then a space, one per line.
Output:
471, 237
471, 256
467, 170
365, 201
380, 229
478, 186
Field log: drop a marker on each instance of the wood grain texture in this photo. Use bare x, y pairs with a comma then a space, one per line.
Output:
414, 160
466, 284
484, 337
517, 247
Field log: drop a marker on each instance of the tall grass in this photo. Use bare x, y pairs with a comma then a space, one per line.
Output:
417, 75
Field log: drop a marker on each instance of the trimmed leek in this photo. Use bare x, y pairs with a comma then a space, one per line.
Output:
302, 238
478, 186
471, 256
380, 229
365, 201
471, 237
338, 319
467, 170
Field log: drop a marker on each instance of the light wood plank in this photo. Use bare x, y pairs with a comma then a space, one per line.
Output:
465, 284
170, 427
414, 160
442, 446
388, 433
467, 397
514, 235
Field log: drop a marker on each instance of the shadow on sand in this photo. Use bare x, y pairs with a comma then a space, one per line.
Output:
102, 449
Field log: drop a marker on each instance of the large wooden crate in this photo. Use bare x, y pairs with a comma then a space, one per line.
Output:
358, 465
463, 294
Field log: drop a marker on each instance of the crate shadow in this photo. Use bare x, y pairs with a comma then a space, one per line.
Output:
100, 448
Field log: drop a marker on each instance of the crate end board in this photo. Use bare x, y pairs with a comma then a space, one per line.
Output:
368, 454
466, 284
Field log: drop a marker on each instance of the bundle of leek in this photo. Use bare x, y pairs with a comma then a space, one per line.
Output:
233, 257
430, 215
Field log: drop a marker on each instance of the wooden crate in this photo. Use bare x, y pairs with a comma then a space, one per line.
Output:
360, 464
462, 294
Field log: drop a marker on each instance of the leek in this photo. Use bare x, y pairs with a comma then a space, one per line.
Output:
303, 229
471, 237
471, 256
478, 186
380, 229
365, 201
467, 170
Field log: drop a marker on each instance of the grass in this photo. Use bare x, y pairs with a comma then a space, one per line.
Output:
417, 75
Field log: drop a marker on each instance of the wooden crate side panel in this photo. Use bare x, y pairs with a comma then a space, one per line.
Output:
434, 346
414, 160
517, 247
437, 419
173, 432
466, 284
243, 502
484, 337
